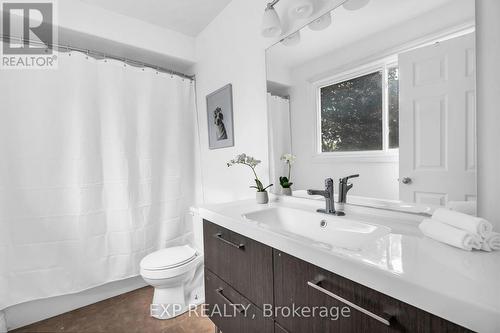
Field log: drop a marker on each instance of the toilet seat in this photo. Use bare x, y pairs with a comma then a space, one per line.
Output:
169, 262
168, 258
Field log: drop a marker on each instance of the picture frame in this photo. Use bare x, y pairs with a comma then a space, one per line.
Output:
220, 118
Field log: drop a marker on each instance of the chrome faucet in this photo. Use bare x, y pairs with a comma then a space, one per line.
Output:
329, 198
344, 187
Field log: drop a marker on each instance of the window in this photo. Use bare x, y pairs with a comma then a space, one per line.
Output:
360, 113
393, 104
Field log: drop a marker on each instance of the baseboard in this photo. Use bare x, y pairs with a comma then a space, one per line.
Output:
31, 312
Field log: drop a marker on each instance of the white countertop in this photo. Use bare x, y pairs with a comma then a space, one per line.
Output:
459, 286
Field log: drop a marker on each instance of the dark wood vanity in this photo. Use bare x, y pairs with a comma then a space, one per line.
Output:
249, 277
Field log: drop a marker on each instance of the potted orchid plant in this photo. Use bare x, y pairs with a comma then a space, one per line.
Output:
243, 159
285, 183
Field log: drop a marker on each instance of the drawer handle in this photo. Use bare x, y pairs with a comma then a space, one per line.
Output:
219, 237
228, 301
315, 285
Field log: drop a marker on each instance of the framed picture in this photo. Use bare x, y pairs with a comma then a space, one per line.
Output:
220, 118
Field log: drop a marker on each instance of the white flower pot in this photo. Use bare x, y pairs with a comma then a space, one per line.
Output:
262, 197
286, 191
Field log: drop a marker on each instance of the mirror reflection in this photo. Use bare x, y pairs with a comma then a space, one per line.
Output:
385, 91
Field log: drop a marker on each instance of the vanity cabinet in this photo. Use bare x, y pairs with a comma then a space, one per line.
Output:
301, 284
243, 263
241, 273
279, 329
230, 311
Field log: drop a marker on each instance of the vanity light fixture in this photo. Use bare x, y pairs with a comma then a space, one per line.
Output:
321, 23
292, 40
271, 24
355, 4
301, 9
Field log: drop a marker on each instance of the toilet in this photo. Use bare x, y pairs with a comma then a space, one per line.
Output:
175, 273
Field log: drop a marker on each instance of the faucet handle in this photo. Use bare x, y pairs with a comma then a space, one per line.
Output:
345, 179
328, 182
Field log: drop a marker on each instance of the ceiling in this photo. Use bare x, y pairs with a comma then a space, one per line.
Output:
351, 26
188, 17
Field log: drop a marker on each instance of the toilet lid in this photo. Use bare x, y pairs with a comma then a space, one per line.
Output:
168, 258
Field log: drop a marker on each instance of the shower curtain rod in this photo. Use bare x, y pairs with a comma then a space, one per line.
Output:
96, 54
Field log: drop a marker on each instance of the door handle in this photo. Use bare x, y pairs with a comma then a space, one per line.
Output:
228, 301
225, 241
386, 320
406, 180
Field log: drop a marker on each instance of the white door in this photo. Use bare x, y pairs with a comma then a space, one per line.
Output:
280, 139
438, 122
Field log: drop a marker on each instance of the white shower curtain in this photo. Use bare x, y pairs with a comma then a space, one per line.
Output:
280, 139
96, 171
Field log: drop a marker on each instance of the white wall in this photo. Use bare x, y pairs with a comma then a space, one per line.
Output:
277, 73
231, 50
488, 111
94, 28
379, 179
98, 22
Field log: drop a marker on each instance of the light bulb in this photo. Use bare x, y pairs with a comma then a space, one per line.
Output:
301, 9
321, 22
355, 4
271, 24
292, 40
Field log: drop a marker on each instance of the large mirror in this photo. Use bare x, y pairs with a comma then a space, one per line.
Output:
384, 89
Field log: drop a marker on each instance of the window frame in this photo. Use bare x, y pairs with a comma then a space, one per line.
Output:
387, 154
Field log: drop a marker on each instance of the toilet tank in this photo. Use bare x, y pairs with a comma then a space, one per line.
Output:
195, 223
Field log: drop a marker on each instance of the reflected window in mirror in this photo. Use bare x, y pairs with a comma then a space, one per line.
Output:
360, 112
393, 105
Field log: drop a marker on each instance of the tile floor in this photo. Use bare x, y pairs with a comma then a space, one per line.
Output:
127, 313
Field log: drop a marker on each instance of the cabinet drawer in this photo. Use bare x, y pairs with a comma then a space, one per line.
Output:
302, 284
243, 263
230, 311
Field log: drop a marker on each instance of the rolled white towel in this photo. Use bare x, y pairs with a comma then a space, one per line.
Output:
466, 207
471, 224
450, 235
491, 242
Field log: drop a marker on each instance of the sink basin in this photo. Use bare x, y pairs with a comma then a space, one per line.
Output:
324, 230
